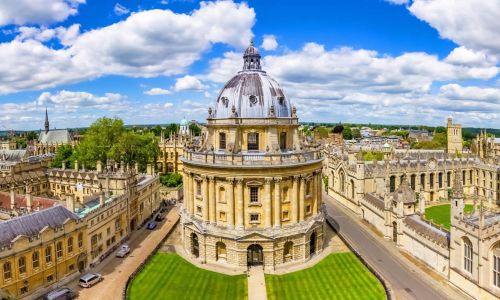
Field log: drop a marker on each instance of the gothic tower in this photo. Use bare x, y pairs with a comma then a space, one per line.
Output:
46, 121
454, 135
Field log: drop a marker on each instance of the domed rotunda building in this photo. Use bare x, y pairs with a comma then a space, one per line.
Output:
252, 187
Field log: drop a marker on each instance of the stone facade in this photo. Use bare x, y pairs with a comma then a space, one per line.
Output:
252, 187
454, 135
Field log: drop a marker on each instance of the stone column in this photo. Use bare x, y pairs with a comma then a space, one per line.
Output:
230, 202
240, 209
187, 190
294, 204
277, 202
301, 198
315, 193
211, 199
267, 201
205, 199
192, 193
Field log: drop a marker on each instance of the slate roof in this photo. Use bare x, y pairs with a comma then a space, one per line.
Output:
31, 224
60, 136
12, 155
425, 229
375, 201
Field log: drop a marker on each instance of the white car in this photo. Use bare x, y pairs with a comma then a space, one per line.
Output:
124, 250
90, 279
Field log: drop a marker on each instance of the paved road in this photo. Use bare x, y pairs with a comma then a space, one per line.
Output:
117, 270
406, 282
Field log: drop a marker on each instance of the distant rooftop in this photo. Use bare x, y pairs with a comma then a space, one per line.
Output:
92, 204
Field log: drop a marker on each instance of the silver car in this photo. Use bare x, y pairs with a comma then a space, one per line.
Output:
90, 279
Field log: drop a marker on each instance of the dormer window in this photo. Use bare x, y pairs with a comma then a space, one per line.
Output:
253, 100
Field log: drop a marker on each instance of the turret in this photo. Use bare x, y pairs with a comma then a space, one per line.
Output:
457, 197
46, 121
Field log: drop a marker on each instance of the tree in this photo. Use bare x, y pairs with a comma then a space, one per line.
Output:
171, 129
356, 134
347, 133
171, 179
195, 129
322, 131
64, 155
156, 130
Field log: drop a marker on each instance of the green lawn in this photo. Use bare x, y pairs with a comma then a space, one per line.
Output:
338, 276
168, 276
441, 214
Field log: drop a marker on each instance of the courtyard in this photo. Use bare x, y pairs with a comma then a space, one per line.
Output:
338, 276
441, 214
169, 276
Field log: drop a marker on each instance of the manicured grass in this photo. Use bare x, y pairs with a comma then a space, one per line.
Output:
441, 214
169, 276
338, 276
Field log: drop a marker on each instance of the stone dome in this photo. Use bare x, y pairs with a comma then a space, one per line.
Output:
252, 93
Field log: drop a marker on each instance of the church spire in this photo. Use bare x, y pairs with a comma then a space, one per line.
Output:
46, 121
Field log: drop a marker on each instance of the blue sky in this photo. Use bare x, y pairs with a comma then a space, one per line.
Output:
378, 61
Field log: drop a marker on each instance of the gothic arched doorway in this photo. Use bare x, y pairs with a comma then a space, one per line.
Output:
395, 232
312, 244
255, 255
195, 245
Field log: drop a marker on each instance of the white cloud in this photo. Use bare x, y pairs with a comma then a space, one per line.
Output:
158, 106
73, 101
472, 24
157, 92
20, 12
146, 44
65, 35
471, 93
398, 2
463, 56
120, 9
188, 83
269, 42
223, 68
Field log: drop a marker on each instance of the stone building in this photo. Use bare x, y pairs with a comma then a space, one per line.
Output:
172, 149
49, 140
252, 188
38, 250
454, 135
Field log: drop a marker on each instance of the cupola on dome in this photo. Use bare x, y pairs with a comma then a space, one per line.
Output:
252, 93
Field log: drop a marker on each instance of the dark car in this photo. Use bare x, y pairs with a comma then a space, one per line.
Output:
63, 293
151, 225
159, 217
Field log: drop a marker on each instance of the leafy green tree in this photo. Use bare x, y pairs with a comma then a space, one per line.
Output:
156, 130
347, 133
171, 179
322, 131
195, 129
356, 134
64, 155
171, 129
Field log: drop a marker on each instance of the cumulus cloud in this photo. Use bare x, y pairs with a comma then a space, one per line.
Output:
188, 83
65, 35
157, 92
21, 12
120, 9
472, 24
398, 2
146, 44
73, 101
269, 42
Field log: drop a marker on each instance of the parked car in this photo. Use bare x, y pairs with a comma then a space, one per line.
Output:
151, 225
62, 293
159, 217
90, 279
124, 250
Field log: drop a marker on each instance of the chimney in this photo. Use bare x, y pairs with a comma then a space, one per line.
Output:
101, 199
149, 169
76, 165
63, 165
98, 166
70, 203
136, 168
29, 198
12, 198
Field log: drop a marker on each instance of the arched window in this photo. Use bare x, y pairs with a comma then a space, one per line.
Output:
48, 254
392, 184
7, 271
35, 259
221, 251
413, 178
431, 180
253, 141
467, 255
496, 266
288, 251
283, 141
80, 240
222, 140
22, 264
448, 179
422, 182
440, 180
70, 244
195, 246
342, 181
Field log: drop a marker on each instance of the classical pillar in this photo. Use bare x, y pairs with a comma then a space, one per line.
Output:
230, 202
187, 190
211, 199
205, 199
315, 193
294, 204
277, 202
301, 198
240, 210
192, 193
267, 201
